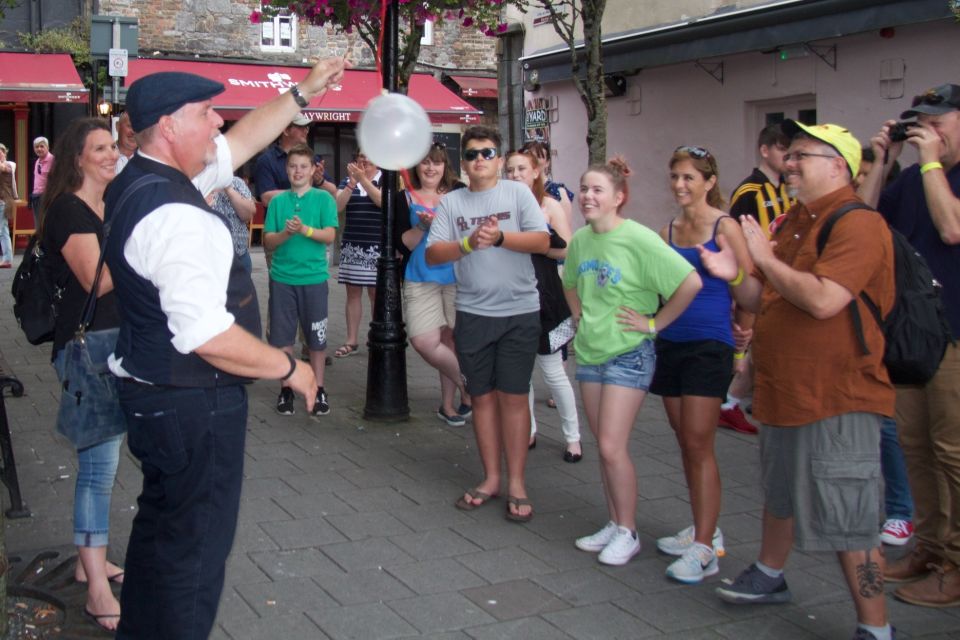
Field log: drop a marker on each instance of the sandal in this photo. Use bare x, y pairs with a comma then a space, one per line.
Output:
116, 578
517, 503
475, 494
96, 618
346, 350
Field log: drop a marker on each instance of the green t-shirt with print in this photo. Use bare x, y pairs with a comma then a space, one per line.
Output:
629, 266
301, 260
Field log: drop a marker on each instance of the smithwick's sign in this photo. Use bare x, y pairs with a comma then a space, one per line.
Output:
282, 83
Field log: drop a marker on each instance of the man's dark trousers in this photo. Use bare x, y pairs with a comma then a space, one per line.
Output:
190, 443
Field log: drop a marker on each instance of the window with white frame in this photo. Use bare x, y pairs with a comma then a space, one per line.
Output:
279, 33
427, 38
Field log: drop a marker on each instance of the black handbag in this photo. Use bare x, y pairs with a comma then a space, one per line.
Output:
35, 295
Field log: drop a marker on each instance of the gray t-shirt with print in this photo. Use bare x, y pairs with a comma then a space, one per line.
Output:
494, 282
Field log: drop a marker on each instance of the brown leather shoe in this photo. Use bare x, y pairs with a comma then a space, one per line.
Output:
911, 566
941, 588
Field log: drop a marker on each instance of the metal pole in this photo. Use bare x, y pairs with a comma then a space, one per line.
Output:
115, 98
387, 364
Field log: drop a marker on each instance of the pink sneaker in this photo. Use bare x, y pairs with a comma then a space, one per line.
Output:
734, 419
896, 532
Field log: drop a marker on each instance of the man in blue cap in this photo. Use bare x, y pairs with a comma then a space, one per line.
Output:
924, 205
189, 341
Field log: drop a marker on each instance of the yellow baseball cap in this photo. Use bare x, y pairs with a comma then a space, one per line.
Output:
834, 135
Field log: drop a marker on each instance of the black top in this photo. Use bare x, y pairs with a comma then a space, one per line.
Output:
66, 216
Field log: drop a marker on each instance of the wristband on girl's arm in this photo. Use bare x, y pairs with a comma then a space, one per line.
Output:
930, 166
736, 281
652, 326
739, 355
309, 232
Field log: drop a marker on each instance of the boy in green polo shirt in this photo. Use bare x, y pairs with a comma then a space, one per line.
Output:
300, 224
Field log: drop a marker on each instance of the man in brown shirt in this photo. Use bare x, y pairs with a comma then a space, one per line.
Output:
819, 396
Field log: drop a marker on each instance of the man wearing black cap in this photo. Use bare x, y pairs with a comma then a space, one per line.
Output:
923, 204
189, 340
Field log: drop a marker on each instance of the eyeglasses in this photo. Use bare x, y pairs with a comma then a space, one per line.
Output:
438, 145
696, 152
799, 156
930, 97
487, 153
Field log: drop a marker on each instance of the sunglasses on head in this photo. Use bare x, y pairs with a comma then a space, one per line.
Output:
438, 145
696, 152
487, 153
930, 97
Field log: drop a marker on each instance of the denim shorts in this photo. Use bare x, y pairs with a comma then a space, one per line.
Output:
633, 369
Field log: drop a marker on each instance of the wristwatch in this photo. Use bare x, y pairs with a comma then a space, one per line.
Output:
298, 97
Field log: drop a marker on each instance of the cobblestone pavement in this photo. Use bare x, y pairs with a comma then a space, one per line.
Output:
348, 530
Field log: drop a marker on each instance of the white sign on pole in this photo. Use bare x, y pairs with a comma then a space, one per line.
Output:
118, 63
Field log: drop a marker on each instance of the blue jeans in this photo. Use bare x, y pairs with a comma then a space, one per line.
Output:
189, 442
633, 369
897, 498
91, 498
6, 251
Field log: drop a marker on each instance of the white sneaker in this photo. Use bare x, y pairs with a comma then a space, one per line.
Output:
624, 545
597, 541
677, 544
696, 563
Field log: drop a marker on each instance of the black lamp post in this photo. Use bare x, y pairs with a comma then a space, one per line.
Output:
387, 364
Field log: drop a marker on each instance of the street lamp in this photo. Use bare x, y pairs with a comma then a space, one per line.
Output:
387, 364
104, 108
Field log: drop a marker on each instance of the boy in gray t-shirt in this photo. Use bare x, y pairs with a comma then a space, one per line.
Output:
489, 230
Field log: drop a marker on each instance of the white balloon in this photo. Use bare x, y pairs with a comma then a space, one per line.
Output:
394, 132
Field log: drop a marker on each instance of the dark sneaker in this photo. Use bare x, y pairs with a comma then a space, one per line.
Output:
754, 587
285, 402
454, 419
863, 634
465, 410
321, 406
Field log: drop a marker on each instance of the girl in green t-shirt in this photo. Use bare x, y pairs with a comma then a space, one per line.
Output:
616, 271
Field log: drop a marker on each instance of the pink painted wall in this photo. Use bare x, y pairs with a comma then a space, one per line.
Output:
681, 104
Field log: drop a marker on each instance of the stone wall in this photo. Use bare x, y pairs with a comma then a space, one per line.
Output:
222, 28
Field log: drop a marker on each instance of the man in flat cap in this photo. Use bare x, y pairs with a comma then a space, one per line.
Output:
923, 204
820, 397
189, 341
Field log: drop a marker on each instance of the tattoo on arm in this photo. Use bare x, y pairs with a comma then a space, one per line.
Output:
869, 578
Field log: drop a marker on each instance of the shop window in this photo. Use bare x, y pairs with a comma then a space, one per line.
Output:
280, 33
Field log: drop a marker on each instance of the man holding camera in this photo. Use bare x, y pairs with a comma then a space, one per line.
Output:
923, 204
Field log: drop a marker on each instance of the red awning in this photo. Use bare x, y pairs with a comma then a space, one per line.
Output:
476, 87
250, 85
40, 77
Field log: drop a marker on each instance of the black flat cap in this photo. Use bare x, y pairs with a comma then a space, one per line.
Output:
160, 94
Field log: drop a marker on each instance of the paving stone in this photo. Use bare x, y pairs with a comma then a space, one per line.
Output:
253, 538
526, 628
492, 531
366, 554
671, 611
770, 626
584, 586
441, 612
295, 534
425, 518
435, 576
298, 627
358, 526
320, 482
366, 585
560, 554
600, 621
435, 544
297, 563
502, 565
285, 597
384, 498
362, 621
515, 599
254, 488
313, 505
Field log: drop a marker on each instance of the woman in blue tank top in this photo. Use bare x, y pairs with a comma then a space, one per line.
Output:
695, 356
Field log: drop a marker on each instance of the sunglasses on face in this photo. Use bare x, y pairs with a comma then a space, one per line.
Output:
696, 152
487, 153
930, 97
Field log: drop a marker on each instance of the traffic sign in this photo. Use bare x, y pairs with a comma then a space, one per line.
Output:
118, 63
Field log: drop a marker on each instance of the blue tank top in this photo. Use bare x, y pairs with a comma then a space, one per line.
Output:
417, 268
708, 316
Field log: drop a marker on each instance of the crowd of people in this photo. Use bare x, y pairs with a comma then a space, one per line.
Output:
725, 302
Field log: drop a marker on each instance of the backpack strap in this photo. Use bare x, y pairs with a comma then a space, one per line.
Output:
86, 317
822, 238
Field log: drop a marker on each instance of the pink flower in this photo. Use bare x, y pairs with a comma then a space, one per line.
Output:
501, 27
255, 17
468, 21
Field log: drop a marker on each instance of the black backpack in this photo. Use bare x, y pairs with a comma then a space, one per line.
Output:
35, 295
916, 330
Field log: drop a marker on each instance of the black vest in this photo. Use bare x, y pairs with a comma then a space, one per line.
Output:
145, 341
